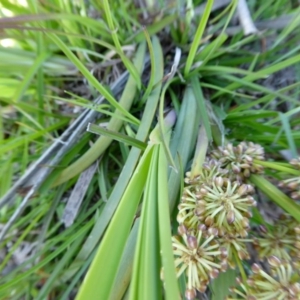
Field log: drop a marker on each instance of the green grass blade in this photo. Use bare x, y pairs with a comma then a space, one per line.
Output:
265, 99
116, 136
244, 82
143, 131
46, 289
288, 133
163, 129
145, 283
198, 36
77, 277
213, 46
16, 280
289, 113
152, 78
153, 28
202, 106
109, 254
123, 277
129, 66
262, 73
285, 168
286, 203
183, 140
42, 209
200, 152
91, 79
287, 30
211, 50
167, 258
21, 140
29, 76
114, 124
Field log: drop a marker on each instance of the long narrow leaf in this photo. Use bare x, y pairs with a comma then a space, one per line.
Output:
130, 67
198, 36
100, 277
167, 257
277, 196
125, 270
202, 107
131, 162
288, 133
88, 75
116, 136
145, 277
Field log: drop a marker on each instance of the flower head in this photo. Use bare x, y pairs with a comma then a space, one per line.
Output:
218, 203
200, 258
210, 169
190, 208
282, 282
240, 160
281, 240
225, 206
241, 291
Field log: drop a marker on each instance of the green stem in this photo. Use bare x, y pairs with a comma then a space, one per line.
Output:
239, 263
277, 166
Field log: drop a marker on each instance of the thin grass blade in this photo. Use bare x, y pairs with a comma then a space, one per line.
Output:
164, 221
110, 252
116, 136
277, 196
198, 36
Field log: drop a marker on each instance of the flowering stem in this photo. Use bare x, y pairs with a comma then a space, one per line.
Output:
242, 271
277, 166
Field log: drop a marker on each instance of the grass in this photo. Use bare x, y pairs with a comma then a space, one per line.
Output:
86, 83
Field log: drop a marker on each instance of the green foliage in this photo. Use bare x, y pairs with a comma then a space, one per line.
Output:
227, 88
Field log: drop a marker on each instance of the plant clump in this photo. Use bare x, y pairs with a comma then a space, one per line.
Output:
214, 217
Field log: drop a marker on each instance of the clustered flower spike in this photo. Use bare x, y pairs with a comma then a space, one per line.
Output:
210, 169
225, 206
213, 199
240, 160
214, 217
282, 283
293, 183
282, 240
190, 208
200, 257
